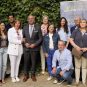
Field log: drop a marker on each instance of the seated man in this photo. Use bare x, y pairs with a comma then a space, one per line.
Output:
64, 69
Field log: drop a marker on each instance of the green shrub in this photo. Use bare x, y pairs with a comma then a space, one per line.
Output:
22, 8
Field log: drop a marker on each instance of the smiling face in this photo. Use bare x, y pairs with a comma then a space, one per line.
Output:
63, 21
45, 19
2, 26
61, 45
11, 19
77, 21
17, 24
31, 19
51, 29
83, 23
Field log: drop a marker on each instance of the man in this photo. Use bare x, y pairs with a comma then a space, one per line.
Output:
33, 38
11, 20
76, 26
65, 67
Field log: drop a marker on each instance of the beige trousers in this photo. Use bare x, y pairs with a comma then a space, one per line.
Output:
42, 59
81, 64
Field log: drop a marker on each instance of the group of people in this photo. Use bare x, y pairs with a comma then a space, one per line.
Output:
54, 44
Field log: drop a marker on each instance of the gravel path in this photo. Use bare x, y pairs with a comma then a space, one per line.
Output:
41, 82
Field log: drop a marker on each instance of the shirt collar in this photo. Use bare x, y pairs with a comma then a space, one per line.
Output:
31, 25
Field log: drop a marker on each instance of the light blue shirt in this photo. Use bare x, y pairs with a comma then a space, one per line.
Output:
63, 35
64, 59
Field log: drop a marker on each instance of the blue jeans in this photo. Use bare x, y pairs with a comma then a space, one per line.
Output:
3, 62
66, 76
49, 60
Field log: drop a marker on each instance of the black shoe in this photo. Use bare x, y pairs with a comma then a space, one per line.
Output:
7, 75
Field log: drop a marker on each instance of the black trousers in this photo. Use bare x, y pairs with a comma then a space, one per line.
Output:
30, 57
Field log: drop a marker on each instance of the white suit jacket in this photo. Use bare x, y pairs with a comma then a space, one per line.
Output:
15, 47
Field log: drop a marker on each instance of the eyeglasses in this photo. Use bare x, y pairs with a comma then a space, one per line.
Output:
17, 33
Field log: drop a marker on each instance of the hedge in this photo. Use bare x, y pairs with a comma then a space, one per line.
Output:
22, 8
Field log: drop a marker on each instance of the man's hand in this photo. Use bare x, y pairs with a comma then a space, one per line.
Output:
61, 73
23, 40
32, 46
27, 45
46, 55
54, 70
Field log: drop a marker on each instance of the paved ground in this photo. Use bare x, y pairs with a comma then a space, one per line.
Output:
41, 82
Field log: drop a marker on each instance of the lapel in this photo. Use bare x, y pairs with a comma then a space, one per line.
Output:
47, 37
27, 31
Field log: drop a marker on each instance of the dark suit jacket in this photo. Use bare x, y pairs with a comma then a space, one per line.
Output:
73, 28
36, 37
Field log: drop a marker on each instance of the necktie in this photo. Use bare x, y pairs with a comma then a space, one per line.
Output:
31, 30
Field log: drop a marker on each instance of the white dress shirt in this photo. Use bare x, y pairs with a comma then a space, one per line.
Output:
31, 27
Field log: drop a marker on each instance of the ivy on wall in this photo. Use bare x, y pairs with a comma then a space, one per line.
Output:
22, 8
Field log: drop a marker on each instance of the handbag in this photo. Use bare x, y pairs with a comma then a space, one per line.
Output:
77, 53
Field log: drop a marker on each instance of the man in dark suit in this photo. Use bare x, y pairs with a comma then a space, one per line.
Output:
76, 26
33, 38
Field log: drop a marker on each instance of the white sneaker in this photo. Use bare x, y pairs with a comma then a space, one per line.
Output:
55, 82
84, 85
43, 72
13, 80
49, 78
17, 79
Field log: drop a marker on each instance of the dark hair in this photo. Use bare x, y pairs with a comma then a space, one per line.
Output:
65, 26
62, 41
49, 26
11, 15
4, 31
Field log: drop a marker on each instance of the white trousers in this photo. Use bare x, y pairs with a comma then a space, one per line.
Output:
14, 62
42, 59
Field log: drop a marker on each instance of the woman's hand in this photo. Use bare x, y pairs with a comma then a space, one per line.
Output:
78, 48
84, 49
46, 55
27, 45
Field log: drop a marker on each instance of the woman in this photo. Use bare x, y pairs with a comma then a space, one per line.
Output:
50, 42
79, 42
63, 30
15, 49
3, 52
44, 27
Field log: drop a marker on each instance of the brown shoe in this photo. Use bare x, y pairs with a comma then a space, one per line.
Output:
0, 82
33, 77
26, 77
